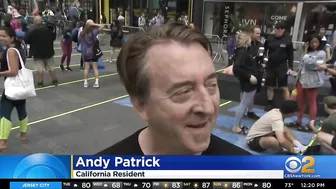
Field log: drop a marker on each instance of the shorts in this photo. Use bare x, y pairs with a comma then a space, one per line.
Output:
333, 143
254, 144
90, 60
45, 64
276, 78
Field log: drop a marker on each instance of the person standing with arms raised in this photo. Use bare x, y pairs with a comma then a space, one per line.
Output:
280, 52
88, 39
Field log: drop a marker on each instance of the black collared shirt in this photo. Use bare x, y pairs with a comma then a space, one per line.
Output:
131, 146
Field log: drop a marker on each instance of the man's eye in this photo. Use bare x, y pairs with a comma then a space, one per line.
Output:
183, 92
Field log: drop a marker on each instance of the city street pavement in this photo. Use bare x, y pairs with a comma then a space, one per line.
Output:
71, 119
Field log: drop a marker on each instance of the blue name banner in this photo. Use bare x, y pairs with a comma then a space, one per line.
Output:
293, 167
35, 185
35, 166
46, 166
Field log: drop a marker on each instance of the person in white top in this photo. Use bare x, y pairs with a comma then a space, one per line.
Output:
121, 18
158, 20
142, 21
48, 12
270, 133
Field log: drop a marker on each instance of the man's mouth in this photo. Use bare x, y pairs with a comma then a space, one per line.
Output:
198, 125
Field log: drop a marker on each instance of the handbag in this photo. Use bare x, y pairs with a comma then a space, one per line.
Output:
21, 86
96, 51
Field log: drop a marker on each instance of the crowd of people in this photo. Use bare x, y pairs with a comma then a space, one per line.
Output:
181, 104
272, 62
15, 38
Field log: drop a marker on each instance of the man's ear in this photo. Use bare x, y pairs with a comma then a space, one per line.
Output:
139, 107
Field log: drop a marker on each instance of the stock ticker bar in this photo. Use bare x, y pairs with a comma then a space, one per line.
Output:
253, 184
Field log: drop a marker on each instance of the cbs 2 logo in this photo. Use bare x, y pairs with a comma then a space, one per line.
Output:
295, 165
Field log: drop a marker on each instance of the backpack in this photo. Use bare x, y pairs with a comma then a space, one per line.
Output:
74, 34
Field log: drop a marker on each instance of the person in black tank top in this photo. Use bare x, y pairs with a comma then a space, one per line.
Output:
9, 40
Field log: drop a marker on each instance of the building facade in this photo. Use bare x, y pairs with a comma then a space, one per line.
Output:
132, 9
222, 17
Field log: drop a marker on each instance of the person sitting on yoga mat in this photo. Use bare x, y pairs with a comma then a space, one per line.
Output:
269, 132
326, 136
309, 79
245, 69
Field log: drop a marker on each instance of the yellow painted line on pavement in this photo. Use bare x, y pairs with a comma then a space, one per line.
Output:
75, 54
73, 111
75, 81
225, 103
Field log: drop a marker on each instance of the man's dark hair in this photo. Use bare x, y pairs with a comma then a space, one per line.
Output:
289, 107
132, 59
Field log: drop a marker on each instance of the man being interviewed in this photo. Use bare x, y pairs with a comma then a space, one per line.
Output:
181, 103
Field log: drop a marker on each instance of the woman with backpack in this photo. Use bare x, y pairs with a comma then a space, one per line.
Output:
116, 37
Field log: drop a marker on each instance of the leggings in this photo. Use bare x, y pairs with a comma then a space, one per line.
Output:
303, 95
82, 62
246, 100
67, 50
7, 107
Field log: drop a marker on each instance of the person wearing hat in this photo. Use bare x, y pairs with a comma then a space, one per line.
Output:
326, 135
280, 52
16, 22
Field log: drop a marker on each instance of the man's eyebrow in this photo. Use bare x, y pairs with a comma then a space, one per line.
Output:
211, 76
178, 85
186, 83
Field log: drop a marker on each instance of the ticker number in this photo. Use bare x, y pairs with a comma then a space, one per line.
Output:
146, 185
266, 185
236, 185
86, 185
176, 185
205, 185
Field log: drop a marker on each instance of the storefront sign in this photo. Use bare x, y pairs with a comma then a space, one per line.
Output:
226, 23
251, 22
278, 18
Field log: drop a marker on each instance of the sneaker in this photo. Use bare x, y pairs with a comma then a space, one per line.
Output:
68, 68
86, 85
252, 115
96, 85
40, 84
55, 83
62, 67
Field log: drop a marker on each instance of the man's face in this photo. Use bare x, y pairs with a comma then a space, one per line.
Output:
256, 34
184, 96
279, 32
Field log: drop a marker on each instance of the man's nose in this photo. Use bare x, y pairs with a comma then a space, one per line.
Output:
204, 103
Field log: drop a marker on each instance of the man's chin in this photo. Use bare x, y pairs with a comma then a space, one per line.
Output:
198, 147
